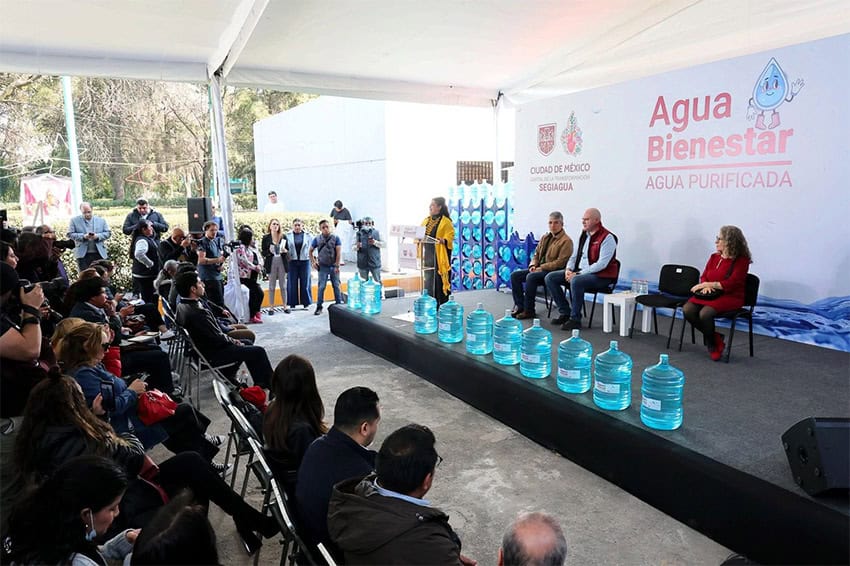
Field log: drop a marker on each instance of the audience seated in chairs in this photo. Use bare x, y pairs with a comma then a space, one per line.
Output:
552, 252
293, 420
216, 346
60, 521
91, 303
80, 351
58, 426
179, 533
383, 518
591, 266
338, 455
533, 539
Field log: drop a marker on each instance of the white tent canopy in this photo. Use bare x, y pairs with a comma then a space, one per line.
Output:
439, 51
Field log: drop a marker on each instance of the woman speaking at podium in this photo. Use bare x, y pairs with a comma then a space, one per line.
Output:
436, 255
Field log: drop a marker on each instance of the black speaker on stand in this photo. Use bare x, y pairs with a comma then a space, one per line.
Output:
818, 451
200, 211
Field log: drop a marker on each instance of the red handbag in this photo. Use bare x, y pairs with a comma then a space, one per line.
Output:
254, 395
155, 406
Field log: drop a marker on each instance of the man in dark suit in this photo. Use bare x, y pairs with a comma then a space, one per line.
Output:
338, 455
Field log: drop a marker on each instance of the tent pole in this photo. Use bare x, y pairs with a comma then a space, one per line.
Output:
497, 160
219, 155
73, 154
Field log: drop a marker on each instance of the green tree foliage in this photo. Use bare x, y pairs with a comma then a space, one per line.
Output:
134, 137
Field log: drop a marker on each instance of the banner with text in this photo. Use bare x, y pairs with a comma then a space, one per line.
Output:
758, 141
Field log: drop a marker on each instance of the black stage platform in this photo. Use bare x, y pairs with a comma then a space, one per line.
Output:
723, 473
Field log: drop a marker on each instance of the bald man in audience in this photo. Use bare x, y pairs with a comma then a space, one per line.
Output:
533, 539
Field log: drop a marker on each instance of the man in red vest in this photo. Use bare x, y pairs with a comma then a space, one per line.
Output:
592, 266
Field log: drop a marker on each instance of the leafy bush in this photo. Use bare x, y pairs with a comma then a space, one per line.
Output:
245, 202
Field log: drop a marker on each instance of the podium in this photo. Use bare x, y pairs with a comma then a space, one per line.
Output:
410, 254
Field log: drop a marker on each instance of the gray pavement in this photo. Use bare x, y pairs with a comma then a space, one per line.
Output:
490, 472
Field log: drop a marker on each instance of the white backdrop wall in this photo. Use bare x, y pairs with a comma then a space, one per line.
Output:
327, 149
669, 159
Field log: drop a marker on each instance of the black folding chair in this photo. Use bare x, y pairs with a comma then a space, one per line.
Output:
674, 286
240, 431
751, 293
197, 364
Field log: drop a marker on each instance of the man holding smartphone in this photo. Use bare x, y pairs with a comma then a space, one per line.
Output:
89, 233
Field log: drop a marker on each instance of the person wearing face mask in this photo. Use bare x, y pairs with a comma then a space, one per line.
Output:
89, 233
298, 289
60, 521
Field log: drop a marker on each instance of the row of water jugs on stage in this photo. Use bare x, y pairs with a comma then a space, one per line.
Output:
364, 296
662, 385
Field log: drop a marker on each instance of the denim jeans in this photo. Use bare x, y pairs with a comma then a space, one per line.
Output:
579, 285
328, 272
524, 298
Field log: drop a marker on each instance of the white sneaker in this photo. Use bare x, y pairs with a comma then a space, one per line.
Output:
167, 335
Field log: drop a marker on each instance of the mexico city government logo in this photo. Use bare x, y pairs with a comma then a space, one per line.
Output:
546, 139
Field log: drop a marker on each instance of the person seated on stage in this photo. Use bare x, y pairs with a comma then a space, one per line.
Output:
216, 346
551, 255
591, 266
383, 518
293, 420
178, 247
533, 539
721, 287
338, 455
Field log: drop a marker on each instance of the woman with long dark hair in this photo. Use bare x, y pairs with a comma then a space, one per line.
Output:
144, 251
58, 425
276, 261
294, 419
58, 522
248, 261
437, 257
721, 287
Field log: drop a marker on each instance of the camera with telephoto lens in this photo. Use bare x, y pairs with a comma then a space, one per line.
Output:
64, 244
56, 285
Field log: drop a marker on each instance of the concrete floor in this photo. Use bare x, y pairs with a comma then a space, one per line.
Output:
490, 472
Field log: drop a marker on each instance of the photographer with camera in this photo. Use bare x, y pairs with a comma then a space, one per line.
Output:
178, 247
21, 367
57, 248
368, 245
211, 258
89, 232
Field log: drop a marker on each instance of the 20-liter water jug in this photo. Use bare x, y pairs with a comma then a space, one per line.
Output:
612, 387
536, 357
661, 395
450, 322
425, 314
354, 297
574, 358
479, 331
371, 293
507, 340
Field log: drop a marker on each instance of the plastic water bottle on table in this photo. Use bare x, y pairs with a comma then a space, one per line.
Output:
574, 359
536, 357
479, 331
612, 387
425, 314
661, 395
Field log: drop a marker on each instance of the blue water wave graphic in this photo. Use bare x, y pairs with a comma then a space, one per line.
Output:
825, 323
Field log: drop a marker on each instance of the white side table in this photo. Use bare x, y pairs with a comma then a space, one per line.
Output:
626, 302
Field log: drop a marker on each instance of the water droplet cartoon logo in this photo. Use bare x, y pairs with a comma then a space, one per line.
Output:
770, 92
571, 136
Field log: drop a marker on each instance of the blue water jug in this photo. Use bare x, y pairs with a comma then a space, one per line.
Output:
612, 387
450, 322
661, 395
574, 358
425, 314
479, 331
536, 352
507, 340
354, 284
371, 292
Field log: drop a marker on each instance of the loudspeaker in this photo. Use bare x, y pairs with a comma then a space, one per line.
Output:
200, 211
818, 451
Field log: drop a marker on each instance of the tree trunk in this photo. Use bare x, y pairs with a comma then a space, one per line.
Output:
116, 176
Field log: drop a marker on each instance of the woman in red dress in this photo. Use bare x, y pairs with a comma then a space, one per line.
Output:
726, 272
